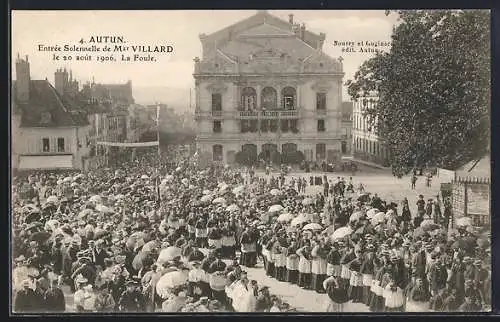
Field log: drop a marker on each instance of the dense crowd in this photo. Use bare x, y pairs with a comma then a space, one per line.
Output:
170, 236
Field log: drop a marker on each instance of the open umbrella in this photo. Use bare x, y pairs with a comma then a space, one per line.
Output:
298, 221
150, 245
341, 233
363, 230
168, 254
207, 192
68, 179
238, 190
312, 226
286, 217
169, 281
34, 225
372, 212
275, 192
141, 259
32, 216
356, 216
52, 199
307, 201
419, 232
464, 221
51, 224
219, 200
96, 198
84, 213
104, 209
144, 177
138, 235
206, 198
30, 208
378, 218
429, 225
233, 208
275, 208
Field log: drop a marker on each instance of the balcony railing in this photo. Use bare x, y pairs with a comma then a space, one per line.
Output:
249, 113
217, 113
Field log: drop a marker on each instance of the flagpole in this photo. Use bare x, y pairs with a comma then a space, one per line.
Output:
158, 151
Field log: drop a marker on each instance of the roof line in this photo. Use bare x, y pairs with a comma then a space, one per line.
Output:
226, 56
57, 96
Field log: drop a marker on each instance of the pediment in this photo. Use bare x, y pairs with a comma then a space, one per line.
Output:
265, 30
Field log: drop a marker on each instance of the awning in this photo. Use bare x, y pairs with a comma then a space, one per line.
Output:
39, 162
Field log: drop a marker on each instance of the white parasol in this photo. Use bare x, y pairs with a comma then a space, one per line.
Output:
238, 190
307, 201
169, 281
275, 192
206, 198
286, 217
341, 233
233, 208
219, 200
275, 208
298, 221
312, 226
372, 212
378, 218
84, 213
168, 254
52, 199
104, 209
96, 199
356, 216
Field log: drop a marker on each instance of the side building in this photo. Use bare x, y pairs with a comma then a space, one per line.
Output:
48, 131
265, 88
367, 144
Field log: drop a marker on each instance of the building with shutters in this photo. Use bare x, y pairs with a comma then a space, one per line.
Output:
264, 86
366, 142
49, 130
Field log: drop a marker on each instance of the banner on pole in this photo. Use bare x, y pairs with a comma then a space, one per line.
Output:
130, 145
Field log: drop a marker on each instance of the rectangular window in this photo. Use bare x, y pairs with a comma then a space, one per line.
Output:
264, 126
45, 145
294, 126
244, 126
217, 126
60, 144
216, 102
288, 103
254, 126
344, 147
284, 126
321, 101
273, 126
321, 125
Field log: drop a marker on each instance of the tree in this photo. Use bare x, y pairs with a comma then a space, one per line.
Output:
433, 88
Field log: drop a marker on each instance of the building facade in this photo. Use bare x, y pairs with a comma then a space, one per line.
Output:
263, 85
346, 129
48, 131
367, 145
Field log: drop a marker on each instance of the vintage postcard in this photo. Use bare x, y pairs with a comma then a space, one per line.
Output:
250, 161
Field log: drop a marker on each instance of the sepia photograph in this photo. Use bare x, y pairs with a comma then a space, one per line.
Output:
186, 161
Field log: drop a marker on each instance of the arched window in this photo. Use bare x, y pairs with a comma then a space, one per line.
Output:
288, 98
248, 99
217, 152
269, 100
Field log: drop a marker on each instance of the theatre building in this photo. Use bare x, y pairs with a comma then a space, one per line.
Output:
264, 89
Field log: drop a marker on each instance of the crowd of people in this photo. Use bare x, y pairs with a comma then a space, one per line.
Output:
169, 236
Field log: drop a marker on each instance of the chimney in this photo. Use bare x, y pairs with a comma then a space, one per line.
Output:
61, 81
290, 19
23, 79
302, 31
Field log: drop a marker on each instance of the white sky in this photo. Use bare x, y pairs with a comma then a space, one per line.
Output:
180, 29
